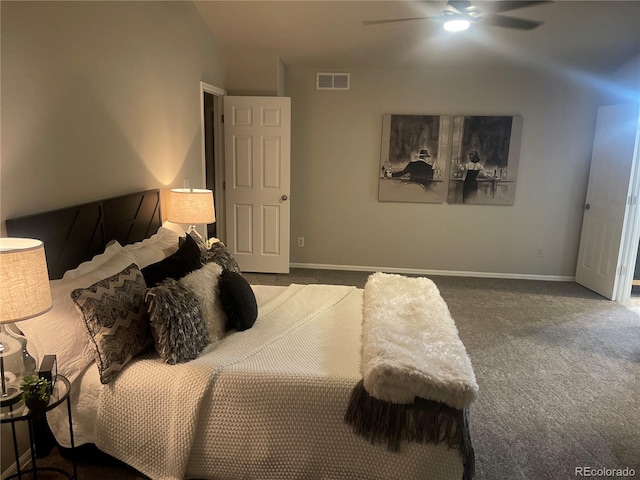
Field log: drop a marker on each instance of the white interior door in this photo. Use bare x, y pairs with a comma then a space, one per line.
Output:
608, 196
257, 135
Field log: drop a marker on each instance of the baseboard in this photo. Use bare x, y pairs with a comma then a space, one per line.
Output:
449, 273
25, 462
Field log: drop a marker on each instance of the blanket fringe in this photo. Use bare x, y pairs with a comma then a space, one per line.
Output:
423, 421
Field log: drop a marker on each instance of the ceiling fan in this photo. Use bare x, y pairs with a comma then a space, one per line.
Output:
459, 14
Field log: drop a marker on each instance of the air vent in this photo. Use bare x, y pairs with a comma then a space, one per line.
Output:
333, 81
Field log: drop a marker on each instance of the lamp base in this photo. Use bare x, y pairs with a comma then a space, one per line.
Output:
9, 347
192, 230
10, 396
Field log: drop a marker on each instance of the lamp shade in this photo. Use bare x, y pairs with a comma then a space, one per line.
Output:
191, 206
24, 279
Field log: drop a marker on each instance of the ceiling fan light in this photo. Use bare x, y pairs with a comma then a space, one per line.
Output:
456, 25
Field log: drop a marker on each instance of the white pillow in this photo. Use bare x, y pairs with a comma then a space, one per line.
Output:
61, 330
86, 267
155, 248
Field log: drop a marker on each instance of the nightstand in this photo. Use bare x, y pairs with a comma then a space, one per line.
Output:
18, 412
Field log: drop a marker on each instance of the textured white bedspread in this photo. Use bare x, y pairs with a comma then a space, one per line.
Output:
266, 403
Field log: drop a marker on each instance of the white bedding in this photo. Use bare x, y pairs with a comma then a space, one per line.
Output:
265, 403
86, 390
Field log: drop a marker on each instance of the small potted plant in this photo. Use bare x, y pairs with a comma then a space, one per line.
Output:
36, 392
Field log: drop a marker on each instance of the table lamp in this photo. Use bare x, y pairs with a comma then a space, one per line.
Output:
24, 294
191, 206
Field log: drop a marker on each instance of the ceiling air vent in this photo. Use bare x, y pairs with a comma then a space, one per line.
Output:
333, 81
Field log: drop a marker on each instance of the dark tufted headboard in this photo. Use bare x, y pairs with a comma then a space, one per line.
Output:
75, 234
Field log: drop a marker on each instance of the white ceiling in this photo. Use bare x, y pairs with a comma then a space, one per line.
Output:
589, 35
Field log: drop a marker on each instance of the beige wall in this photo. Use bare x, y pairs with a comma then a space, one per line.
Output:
626, 83
100, 99
336, 138
251, 73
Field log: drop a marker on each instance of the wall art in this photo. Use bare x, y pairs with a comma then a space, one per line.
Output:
458, 158
484, 159
413, 158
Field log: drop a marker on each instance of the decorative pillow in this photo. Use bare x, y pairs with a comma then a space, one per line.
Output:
220, 254
113, 310
176, 266
177, 325
155, 248
114, 248
238, 301
203, 283
61, 331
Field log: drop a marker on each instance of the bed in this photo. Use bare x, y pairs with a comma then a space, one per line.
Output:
323, 382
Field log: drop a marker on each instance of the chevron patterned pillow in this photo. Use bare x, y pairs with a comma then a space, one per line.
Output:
114, 314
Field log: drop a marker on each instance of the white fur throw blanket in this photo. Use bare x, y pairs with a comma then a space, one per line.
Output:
411, 346
417, 379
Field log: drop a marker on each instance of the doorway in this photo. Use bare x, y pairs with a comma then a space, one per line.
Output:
213, 154
635, 281
209, 157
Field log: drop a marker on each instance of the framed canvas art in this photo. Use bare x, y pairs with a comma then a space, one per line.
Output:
413, 158
484, 159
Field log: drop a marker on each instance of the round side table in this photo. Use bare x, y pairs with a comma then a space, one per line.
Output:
18, 412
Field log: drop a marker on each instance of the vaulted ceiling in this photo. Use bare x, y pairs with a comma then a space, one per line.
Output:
586, 35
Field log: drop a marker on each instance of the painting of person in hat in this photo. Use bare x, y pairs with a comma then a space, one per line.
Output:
419, 170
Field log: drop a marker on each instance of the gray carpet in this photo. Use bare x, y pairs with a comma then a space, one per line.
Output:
558, 368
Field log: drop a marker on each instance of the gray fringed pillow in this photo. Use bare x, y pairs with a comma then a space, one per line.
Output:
177, 325
114, 314
204, 285
220, 254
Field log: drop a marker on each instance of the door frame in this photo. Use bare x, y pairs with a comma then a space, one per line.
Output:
218, 153
630, 228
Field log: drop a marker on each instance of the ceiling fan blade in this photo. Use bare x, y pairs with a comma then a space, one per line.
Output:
391, 20
457, 6
508, 5
510, 22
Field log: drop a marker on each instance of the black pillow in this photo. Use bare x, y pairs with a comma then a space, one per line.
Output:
185, 260
202, 245
238, 301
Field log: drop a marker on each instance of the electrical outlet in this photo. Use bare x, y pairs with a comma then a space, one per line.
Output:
540, 253
301, 241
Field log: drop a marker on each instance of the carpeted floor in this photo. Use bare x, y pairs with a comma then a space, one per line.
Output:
558, 368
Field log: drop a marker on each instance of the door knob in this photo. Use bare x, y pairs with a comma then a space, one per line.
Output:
587, 206
284, 198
